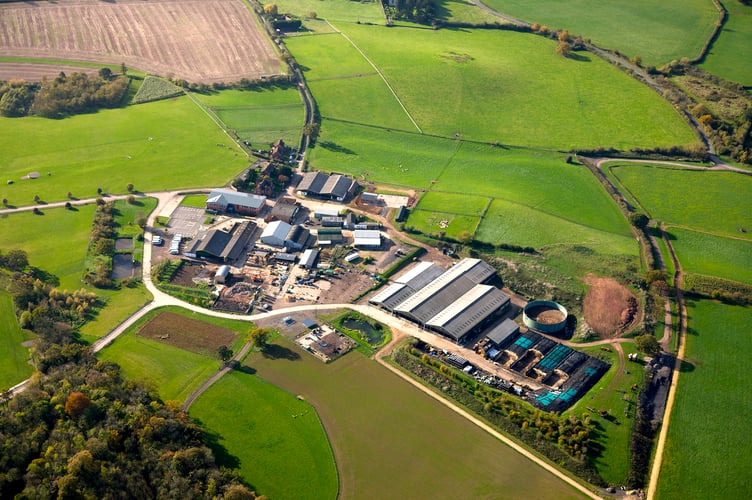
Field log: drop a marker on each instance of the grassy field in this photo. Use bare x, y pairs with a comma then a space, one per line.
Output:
710, 416
113, 148
365, 100
717, 202
454, 203
733, 46
194, 200
63, 257
275, 440
729, 258
335, 10
430, 223
380, 155
508, 222
14, 366
174, 371
55, 241
460, 11
378, 429
658, 32
608, 394
259, 116
529, 96
540, 180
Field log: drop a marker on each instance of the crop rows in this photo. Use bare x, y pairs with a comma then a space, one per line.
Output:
200, 41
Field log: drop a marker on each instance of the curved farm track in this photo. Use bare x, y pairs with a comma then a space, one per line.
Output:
197, 40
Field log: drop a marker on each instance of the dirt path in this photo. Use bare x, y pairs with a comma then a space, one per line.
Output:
655, 471
227, 368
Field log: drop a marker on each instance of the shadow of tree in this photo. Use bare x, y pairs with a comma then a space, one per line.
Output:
331, 146
276, 351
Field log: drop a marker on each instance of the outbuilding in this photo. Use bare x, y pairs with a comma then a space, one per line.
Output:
222, 274
367, 238
275, 233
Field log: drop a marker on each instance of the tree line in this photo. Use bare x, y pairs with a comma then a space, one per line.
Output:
81, 430
62, 96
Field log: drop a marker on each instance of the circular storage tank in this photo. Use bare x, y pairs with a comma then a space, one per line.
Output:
545, 316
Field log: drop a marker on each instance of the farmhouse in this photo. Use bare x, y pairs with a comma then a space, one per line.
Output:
334, 187
229, 201
226, 246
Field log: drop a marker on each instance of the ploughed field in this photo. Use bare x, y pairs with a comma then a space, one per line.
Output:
197, 40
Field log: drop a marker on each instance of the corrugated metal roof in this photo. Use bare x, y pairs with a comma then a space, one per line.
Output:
277, 229
228, 197
502, 332
386, 293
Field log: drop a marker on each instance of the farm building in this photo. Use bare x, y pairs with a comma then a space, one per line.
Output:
330, 237
350, 221
284, 257
369, 198
452, 284
470, 311
334, 187
327, 211
402, 214
279, 150
366, 238
221, 245
229, 201
503, 333
275, 233
308, 259
284, 210
222, 274
298, 238
406, 285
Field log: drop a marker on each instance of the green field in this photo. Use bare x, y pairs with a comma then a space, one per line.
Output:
174, 372
386, 445
258, 116
460, 11
55, 241
454, 203
14, 366
278, 440
194, 200
733, 46
658, 31
379, 155
528, 96
516, 224
540, 180
364, 100
609, 394
706, 455
430, 223
335, 10
717, 202
711, 255
112, 148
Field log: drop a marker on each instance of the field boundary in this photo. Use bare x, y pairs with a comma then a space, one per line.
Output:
378, 71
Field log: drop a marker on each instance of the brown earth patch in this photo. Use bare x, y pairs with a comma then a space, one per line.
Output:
37, 72
187, 333
609, 307
197, 40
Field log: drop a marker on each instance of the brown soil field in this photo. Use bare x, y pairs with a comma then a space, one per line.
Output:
37, 72
186, 333
196, 40
606, 305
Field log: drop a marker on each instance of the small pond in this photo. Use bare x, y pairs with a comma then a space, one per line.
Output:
122, 266
372, 335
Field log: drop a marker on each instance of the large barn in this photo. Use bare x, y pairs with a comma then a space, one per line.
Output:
234, 202
327, 186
